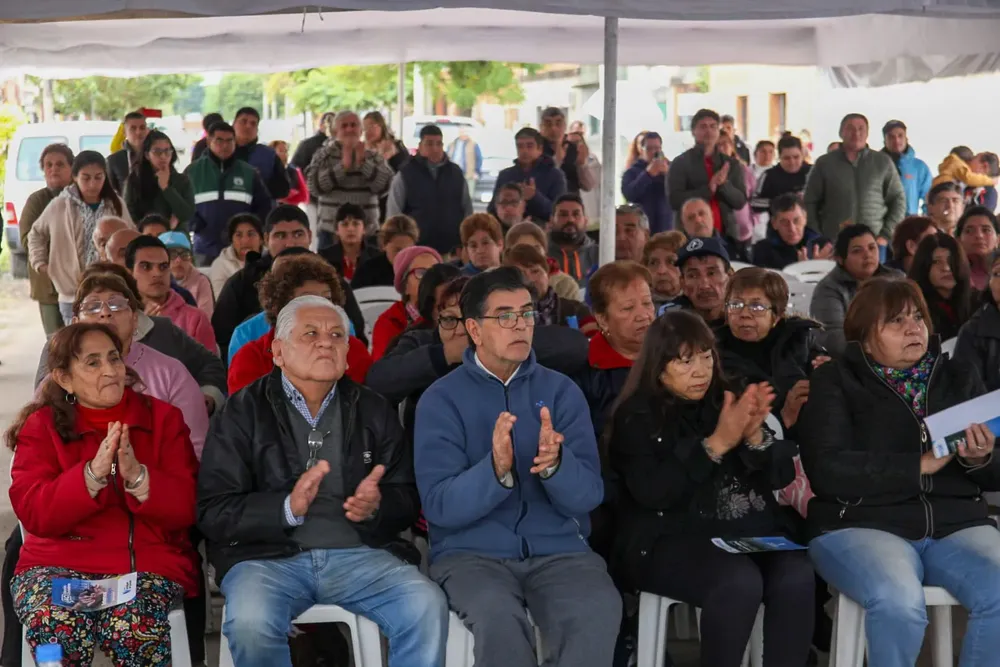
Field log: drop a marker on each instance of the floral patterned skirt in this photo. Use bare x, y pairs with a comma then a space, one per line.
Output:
133, 634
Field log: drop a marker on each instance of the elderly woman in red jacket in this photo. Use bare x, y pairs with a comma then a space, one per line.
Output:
103, 483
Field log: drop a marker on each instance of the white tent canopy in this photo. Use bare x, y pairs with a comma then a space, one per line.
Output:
918, 40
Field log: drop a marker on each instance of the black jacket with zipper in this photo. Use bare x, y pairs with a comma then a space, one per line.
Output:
979, 344
250, 465
861, 444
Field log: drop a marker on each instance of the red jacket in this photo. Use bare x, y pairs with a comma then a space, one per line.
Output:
254, 360
387, 327
67, 528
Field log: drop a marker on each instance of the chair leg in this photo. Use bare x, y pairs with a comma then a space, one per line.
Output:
180, 649
682, 621
848, 648
225, 656
652, 640
27, 657
942, 646
755, 651
367, 642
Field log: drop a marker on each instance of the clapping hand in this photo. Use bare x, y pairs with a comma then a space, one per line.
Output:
365, 501
307, 487
549, 444
503, 444
794, 401
762, 396
107, 452
128, 465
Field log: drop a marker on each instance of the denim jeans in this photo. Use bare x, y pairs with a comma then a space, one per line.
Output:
886, 574
263, 596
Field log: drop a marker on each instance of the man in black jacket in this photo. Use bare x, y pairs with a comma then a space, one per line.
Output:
261, 156
120, 162
306, 482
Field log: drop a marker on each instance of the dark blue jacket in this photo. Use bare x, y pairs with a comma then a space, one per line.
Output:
434, 198
268, 165
466, 507
773, 253
650, 194
550, 183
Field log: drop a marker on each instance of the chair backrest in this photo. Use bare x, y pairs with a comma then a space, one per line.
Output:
800, 297
377, 293
739, 265
775, 425
949, 346
811, 270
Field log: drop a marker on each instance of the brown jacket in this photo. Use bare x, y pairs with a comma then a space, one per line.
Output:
42, 290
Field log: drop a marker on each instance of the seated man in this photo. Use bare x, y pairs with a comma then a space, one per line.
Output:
117, 245
305, 484
510, 530
788, 239
705, 270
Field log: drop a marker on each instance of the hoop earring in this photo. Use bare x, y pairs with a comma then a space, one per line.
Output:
71, 398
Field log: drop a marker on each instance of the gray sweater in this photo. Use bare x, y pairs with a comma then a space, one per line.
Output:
829, 304
688, 179
867, 191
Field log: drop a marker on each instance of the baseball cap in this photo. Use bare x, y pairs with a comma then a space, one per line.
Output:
175, 240
702, 247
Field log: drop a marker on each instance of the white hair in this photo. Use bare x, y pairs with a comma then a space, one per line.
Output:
286, 318
341, 115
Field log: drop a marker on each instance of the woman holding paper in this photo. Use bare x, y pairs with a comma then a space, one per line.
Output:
697, 462
888, 517
103, 483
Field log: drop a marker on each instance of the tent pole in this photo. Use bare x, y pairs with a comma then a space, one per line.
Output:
609, 141
400, 98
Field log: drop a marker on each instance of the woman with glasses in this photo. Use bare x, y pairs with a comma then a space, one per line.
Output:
154, 186
408, 268
696, 462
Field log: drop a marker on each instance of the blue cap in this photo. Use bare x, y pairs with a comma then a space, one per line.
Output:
48, 653
703, 247
175, 240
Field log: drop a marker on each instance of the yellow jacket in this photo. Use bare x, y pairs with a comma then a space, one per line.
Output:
955, 168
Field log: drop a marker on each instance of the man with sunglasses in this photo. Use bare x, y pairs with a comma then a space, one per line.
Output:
507, 466
183, 271
306, 482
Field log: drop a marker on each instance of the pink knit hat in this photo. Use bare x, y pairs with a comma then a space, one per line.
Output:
403, 260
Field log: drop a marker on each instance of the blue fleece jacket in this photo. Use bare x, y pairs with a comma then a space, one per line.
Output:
638, 187
466, 507
550, 183
917, 179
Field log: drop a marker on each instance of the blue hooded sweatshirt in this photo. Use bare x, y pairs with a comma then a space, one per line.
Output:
917, 179
466, 506
651, 194
550, 184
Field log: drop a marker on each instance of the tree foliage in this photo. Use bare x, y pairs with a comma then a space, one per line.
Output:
105, 98
233, 92
10, 119
345, 87
463, 83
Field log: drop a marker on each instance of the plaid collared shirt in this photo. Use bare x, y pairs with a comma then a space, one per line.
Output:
298, 401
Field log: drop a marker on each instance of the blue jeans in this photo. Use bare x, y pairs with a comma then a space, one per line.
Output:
886, 574
263, 596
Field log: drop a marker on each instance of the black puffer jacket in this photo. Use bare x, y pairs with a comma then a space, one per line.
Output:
979, 344
250, 465
671, 487
861, 445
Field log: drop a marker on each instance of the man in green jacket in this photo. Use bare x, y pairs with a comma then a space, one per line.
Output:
855, 185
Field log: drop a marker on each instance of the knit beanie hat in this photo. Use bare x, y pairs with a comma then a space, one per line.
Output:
401, 264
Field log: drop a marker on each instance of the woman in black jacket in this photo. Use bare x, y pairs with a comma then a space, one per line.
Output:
941, 270
889, 516
698, 463
979, 338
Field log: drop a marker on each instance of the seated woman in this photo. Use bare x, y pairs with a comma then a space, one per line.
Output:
99, 465
397, 233
428, 297
551, 308
889, 517
941, 270
528, 233
246, 234
482, 243
979, 339
294, 276
906, 237
409, 267
659, 255
760, 343
978, 230
697, 462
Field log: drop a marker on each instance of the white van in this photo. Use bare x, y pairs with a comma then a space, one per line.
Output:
24, 173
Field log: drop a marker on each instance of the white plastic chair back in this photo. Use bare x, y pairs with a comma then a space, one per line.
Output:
373, 301
739, 265
811, 270
949, 346
775, 425
800, 295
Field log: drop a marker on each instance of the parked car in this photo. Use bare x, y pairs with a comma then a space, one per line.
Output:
449, 125
24, 174
499, 152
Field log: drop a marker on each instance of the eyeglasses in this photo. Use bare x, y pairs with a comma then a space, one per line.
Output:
115, 304
174, 253
417, 273
315, 442
162, 152
756, 308
509, 320
448, 322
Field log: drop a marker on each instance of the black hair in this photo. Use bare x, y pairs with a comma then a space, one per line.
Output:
243, 219
789, 141
701, 114
852, 116
763, 143
974, 212
134, 115
142, 177
107, 194
650, 135
220, 126
530, 133
947, 186
992, 164
479, 288
786, 202
285, 213
552, 112
961, 299
247, 111
137, 244
211, 119
964, 153
430, 131
152, 219
293, 250
848, 234
727, 118
437, 275
565, 197
350, 211
61, 149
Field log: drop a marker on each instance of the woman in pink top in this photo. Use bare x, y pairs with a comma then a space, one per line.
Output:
105, 298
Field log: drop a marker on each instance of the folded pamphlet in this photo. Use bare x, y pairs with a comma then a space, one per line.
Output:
947, 428
753, 545
93, 594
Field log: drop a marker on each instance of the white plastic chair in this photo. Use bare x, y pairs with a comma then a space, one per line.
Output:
949, 346
811, 270
654, 614
739, 265
366, 640
180, 650
847, 647
373, 301
459, 651
800, 296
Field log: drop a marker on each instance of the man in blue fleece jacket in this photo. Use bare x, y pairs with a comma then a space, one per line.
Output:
542, 181
507, 468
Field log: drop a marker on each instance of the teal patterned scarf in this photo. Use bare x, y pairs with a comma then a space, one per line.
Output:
910, 383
